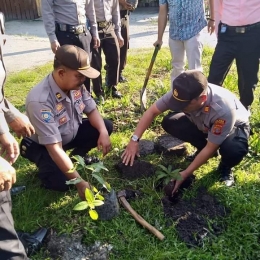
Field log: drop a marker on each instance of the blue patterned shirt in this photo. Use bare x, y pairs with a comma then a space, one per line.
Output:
186, 17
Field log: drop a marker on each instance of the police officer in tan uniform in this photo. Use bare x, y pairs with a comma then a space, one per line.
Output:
108, 20
57, 115
10, 246
212, 118
65, 23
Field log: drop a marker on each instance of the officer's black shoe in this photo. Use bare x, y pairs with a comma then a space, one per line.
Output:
112, 90
226, 175
90, 159
32, 242
122, 79
192, 156
17, 190
100, 100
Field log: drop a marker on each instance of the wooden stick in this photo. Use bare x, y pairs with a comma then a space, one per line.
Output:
140, 220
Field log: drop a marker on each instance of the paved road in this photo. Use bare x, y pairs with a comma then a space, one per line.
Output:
28, 46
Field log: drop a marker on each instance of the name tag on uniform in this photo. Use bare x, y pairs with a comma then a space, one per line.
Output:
223, 28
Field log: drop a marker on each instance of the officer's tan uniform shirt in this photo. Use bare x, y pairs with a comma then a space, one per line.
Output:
220, 113
7, 111
71, 12
56, 116
108, 10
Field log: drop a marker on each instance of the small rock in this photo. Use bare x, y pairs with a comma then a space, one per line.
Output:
146, 147
168, 144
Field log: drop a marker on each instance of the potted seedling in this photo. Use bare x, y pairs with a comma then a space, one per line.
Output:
102, 203
166, 177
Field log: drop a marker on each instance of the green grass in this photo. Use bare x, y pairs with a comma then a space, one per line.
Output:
38, 207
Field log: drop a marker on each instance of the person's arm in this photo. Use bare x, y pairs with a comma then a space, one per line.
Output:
49, 23
7, 175
117, 22
131, 150
125, 5
97, 122
217, 13
65, 164
91, 15
162, 22
211, 21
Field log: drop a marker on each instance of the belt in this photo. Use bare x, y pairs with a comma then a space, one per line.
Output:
76, 29
103, 24
242, 29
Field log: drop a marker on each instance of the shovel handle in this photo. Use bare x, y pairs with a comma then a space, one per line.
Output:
139, 219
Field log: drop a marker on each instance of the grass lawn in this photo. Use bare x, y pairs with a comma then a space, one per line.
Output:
38, 207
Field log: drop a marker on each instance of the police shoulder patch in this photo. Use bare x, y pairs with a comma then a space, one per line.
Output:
46, 115
217, 126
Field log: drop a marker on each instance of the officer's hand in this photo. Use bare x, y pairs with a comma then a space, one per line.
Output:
158, 42
81, 187
178, 183
9, 147
96, 42
54, 46
7, 175
211, 26
22, 126
130, 152
120, 41
104, 143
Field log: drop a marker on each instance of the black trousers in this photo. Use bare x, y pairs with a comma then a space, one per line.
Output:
125, 34
245, 49
10, 246
232, 150
82, 40
110, 47
49, 173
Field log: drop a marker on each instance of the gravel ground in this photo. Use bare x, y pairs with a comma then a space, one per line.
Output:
28, 46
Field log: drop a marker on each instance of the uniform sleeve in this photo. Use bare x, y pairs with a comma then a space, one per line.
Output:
116, 18
222, 127
3, 125
91, 15
42, 118
88, 101
163, 103
162, 2
48, 19
10, 112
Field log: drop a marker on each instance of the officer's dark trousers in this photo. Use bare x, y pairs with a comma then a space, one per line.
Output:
49, 173
82, 40
125, 35
245, 49
10, 246
110, 47
232, 150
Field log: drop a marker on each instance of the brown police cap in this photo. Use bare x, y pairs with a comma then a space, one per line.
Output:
187, 86
77, 59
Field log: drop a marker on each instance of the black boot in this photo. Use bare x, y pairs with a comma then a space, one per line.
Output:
114, 92
32, 242
226, 175
17, 190
122, 79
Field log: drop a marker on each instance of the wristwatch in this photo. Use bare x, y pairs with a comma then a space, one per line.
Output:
135, 138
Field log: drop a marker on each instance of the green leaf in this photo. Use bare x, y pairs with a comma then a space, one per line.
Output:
107, 186
81, 206
89, 196
80, 160
100, 197
98, 178
98, 203
169, 168
161, 176
94, 189
93, 214
96, 167
163, 168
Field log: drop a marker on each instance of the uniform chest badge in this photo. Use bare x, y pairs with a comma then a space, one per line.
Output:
63, 120
59, 107
46, 115
77, 94
206, 109
81, 107
58, 95
218, 125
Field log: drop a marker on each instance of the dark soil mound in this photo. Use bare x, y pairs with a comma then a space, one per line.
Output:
196, 218
140, 169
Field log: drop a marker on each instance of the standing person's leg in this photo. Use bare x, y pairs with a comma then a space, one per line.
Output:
11, 247
247, 61
125, 47
194, 48
222, 58
178, 58
112, 57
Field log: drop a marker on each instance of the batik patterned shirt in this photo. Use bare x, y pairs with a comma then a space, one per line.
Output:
186, 18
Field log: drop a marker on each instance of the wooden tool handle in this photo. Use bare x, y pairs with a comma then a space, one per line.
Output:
140, 220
